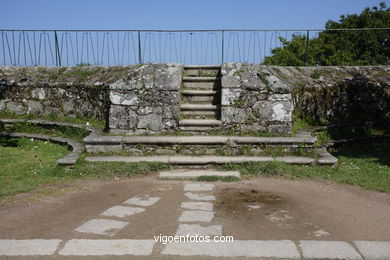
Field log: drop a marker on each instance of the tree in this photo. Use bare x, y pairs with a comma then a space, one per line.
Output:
339, 47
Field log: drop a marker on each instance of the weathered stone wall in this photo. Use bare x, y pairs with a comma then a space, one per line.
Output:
72, 92
254, 99
146, 100
334, 95
132, 99
265, 98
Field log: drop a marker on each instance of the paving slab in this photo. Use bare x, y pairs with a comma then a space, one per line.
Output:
196, 216
194, 174
197, 196
198, 186
193, 229
101, 226
121, 212
328, 249
14, 247
198, 205
239, 248
95, 247
374, 249
142, 201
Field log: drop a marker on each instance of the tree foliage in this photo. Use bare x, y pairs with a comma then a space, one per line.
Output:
339, 47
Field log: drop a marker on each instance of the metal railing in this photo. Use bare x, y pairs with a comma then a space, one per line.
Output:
125, 47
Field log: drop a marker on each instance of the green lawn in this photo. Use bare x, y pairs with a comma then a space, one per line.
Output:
365, 164
26, 164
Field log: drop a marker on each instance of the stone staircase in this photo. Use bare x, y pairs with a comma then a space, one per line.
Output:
204, 147
200, 99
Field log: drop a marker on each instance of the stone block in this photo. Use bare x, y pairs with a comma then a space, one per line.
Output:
281, 129
280, 111
151, 122
16, 107
38, 93
230, 82
126, 98
34, 107
233, 115
230, 96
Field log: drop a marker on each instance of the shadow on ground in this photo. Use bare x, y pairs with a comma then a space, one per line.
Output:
379, 151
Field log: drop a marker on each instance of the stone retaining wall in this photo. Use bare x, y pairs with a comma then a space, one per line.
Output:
265, 98
146, 100
72, 92
254, 99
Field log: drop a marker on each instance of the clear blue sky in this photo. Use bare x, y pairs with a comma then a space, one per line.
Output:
175, 14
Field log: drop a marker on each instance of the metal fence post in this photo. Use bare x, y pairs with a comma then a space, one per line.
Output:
57, 50
223, 43
307, 49
139, 48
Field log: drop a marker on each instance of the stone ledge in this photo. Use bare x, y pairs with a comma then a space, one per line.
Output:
175, 140
200, 160
69, 159
201, 66
273, 140
198, 139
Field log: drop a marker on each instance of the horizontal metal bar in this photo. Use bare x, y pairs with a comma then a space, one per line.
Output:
213, 30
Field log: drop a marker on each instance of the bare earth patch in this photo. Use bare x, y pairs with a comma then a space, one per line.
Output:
264, 208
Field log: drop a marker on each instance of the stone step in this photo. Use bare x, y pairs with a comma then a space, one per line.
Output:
200, 160
201, 79
187, 67
197, 129
198, 107
195, 174
199, 122
213, 85
238, 140
198, 144
192, 96
200, 114
198, 92
200, 99
202, 72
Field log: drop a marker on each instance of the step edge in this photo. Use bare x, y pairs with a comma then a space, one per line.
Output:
202, 66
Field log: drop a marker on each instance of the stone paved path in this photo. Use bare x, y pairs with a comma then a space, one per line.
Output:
189, 209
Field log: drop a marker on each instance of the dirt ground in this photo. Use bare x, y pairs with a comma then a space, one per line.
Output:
263, 209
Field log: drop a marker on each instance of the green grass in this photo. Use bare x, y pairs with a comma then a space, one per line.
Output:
26, 165
366, 165
299, 123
